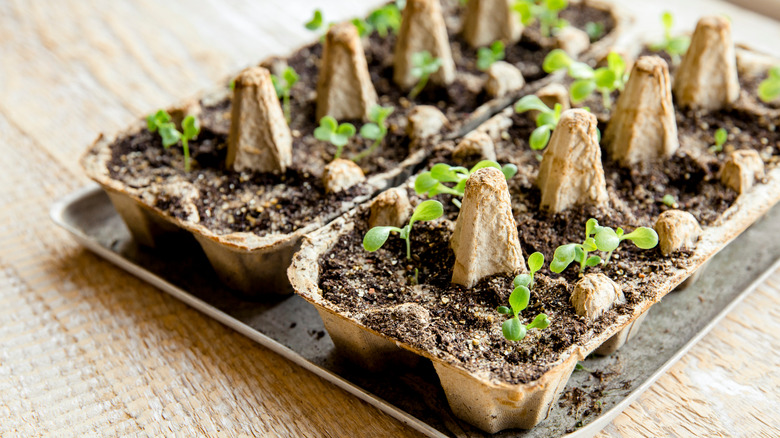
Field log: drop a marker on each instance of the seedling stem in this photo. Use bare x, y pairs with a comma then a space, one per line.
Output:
431, 182
161, 122
587, 80
375, 130
721, 135
599, 238
512, 328
376, 237
334, 133
283, 85
674, 46
546, 121
423, 66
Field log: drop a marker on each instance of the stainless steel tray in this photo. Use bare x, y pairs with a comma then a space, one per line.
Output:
291, 327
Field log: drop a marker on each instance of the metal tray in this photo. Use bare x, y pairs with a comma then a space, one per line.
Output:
291, 327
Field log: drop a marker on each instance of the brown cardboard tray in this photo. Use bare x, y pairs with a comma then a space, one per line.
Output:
291, 328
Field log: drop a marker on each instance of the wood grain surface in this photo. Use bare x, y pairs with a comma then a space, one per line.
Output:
86, 349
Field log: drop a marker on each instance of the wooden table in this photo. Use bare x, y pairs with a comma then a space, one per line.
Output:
88, 349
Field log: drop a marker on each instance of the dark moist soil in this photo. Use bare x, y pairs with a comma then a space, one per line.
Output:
228, 201
260, 203
255, 202
466, 93
530, 62
748, 90
265, 203
465, 327
529, 53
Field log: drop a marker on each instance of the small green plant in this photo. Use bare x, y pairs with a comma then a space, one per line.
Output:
423, 66
535, 263
283, 85
669, 201
385, 19
546, 11
546, 121
363, 27
161, 123
376, 237
769, 88
602, 239
512, 328
334, 133
674, 46
486, 56
587, 80
721, 135
375, 130
432, 182
565, 254
316, 21
594, 30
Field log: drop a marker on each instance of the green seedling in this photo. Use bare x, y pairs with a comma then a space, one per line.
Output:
587, 80
594, 30
669, 201
674, 46
375, 130
363, 27
769, 88
535, 263
376, 237
602, 239
432, 182
642, 237
385, 19
161, 123
565, 254
486, 56
546, 121
283, 85
316, 21
334, 133
423, 66
546, 11
721, 135
512, 328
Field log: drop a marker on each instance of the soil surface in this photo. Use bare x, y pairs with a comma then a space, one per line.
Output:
268, 204
261, 203
529, 53
466, 93
462, 325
